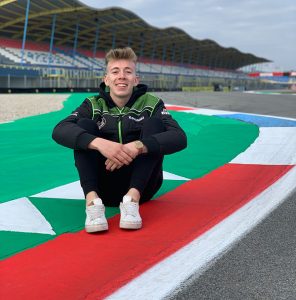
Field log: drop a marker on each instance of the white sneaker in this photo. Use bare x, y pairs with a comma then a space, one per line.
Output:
129, 214
95, 217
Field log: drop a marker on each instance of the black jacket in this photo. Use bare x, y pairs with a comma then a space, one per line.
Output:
121, 124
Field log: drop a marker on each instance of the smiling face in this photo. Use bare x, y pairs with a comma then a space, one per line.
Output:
121, 78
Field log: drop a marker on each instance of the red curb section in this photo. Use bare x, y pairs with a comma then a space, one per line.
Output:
92, 266
176, 107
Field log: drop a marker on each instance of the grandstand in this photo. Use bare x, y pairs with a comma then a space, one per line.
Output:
61, 44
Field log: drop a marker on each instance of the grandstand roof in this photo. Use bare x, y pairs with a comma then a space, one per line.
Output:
117, 27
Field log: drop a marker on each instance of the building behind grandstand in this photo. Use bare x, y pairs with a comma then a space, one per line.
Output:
271, 74
61, 45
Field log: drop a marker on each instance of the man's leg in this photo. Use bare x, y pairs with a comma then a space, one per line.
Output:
146, 179
147, 169
89, 164
95, 180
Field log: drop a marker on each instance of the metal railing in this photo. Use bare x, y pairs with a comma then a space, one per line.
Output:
27, 77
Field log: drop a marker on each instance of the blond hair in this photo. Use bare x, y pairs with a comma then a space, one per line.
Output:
121, 53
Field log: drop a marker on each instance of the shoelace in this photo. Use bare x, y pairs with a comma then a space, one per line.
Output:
96, 211
131, 209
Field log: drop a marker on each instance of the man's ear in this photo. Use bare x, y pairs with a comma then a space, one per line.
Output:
137, 80
105, 79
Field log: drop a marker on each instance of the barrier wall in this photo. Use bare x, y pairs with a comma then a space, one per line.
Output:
63, 82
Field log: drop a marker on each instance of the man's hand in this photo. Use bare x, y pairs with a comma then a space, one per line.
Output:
111, 165
130, 148
115, 152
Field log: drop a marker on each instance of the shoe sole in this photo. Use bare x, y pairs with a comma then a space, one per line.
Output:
96, 228
125, 225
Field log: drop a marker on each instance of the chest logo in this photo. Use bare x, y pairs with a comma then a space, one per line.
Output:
137, 120
101, 123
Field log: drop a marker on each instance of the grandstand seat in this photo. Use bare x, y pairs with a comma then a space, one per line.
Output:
37, 54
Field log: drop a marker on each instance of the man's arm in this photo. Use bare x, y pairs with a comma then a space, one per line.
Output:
172, 140
67, 133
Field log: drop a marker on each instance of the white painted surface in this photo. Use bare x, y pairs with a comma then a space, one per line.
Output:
5, 122
162, 279
68, 191
73, 190
20, 215
274, 146
171, 176
210, 112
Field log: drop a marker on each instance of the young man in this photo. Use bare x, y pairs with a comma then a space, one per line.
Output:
119, 139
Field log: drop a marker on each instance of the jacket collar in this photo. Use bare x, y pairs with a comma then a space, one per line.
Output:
138, 91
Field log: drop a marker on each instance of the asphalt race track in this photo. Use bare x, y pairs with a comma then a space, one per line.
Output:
228, 231
262, 265
266, 104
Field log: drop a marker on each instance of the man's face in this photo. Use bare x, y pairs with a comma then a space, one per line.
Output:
121, 78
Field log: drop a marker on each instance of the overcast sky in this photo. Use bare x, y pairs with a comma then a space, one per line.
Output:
265, 28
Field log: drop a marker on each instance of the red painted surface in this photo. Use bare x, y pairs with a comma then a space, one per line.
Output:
91, 266
173, 107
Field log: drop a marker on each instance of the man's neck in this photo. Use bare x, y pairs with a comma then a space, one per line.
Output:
120, 102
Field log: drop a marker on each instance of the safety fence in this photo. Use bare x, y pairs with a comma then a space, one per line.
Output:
39, 79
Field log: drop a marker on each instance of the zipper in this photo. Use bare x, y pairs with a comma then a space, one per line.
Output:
119, 129
119, 125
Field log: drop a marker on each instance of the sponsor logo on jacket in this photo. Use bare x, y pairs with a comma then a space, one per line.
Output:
137, 120
101, 123
165, 112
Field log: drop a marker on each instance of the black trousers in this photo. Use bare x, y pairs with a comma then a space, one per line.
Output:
144, 173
